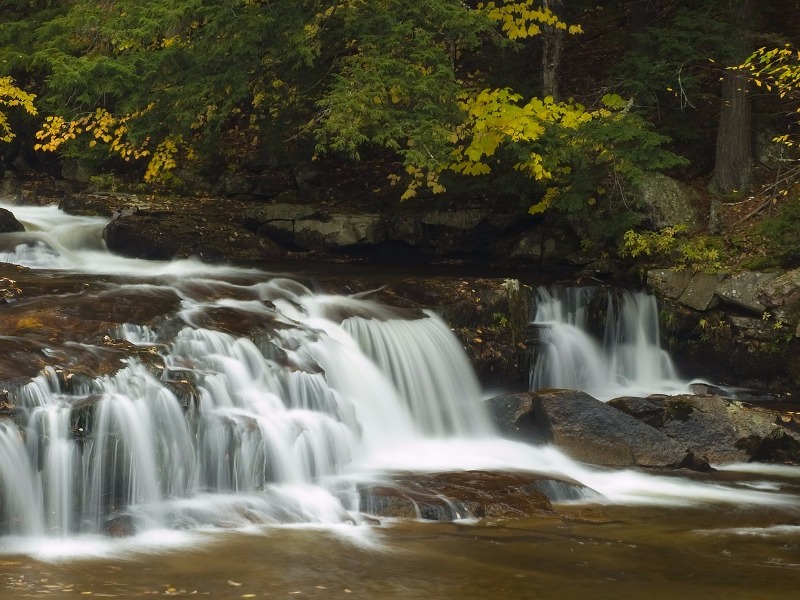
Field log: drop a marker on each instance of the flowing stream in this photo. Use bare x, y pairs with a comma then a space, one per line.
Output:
249, 408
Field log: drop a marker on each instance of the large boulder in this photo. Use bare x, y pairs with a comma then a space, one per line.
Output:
9, 223
718, 429
585, 428
669, 202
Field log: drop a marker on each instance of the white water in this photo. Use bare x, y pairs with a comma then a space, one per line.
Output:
627, 359
283, 426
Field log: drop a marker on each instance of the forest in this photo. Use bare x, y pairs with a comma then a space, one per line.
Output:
563, 106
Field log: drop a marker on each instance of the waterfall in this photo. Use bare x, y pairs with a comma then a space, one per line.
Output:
604, 343
254, 399
260, 425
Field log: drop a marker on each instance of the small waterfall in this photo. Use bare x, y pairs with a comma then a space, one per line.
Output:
603, 343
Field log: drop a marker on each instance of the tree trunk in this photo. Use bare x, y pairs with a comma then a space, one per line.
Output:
552, 43
734, 150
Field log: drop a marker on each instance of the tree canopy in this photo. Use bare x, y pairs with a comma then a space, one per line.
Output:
563, 104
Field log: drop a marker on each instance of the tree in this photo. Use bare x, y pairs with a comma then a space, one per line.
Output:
12, 96
734, 153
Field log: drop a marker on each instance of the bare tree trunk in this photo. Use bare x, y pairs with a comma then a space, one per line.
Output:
552, 43
734, 151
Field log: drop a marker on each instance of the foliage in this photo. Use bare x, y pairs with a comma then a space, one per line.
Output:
777, 70
780, 234
11, 96
698, 253
523, 19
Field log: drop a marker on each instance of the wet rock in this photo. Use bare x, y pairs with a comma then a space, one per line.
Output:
489, 316
9, 223
99, 204
166, 235
513, 417
119, 526
475, 494
236, 322
719, 430
585, 428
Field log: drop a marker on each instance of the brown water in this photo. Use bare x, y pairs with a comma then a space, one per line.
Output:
633, 553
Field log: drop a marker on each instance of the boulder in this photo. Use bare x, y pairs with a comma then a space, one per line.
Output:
701, 292
783, 290
669, 202
668, 283
9, 223
742, 290
584, 428
718, 429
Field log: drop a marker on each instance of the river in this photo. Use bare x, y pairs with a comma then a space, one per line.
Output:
218, 422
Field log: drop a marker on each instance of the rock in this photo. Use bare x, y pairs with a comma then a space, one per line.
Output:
756, 329
742, 290
470, 494
338, 231
584, 428
119, 526
489, 316
74, 169
783, 290
458, 231
98, 204
157, 235
513, 416
10, 187
9, 223
717, 429
268, 184
668, 283
701, 293
533, 247
669, 202
310, 228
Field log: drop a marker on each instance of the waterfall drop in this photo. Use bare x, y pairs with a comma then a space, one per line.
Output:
602, 343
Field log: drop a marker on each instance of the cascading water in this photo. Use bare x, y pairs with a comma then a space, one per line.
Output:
210, 426
623, 357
